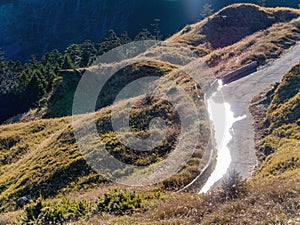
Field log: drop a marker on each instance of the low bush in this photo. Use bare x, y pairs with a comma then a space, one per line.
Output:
41, 212
119, 202
233, 187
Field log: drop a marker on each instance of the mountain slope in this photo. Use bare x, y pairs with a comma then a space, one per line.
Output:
264, 44
230, 25
18, 82
51, 164
282, 143
42, 157
36, 27
271, 196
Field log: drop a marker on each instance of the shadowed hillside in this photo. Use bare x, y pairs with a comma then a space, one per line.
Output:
36, 27
60, 103
230, 25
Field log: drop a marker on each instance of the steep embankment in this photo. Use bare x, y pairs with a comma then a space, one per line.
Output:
281, 146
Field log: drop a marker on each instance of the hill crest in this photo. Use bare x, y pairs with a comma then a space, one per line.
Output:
230, 25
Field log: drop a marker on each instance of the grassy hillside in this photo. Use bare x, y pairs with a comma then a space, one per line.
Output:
271, 196
51, 164
263, 46
60, 103
223, 42
41, 157
230, 25
241, 33
284, 130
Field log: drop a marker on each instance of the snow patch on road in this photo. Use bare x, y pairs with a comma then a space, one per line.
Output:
222, 120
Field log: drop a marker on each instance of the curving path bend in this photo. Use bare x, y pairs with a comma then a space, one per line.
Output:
238, 95
241, 147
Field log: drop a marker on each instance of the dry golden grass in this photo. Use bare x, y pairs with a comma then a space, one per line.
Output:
239, 34
267, 201
42, 156
230, 25
263, 46
272, 196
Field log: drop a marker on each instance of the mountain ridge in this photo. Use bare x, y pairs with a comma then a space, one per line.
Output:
36, 27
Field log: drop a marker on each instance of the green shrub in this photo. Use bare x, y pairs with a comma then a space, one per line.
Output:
233, 186
54, 213
33, 211
119, 202
268, 145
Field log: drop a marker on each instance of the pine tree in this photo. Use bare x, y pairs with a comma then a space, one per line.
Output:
67, 63
112, 41
3, 64
261, 2
88, 53
145, 34
124, 38
1, 56
36, 87
206, 10
156, 29
73, 51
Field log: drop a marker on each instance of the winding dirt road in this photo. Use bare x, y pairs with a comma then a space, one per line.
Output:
239, 94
